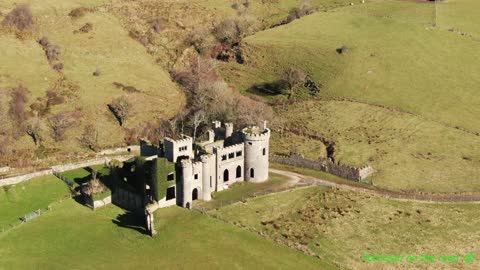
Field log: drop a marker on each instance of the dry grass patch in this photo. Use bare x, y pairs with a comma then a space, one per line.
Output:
341, 226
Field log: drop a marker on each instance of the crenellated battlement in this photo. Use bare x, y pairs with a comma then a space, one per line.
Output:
185, 140
256, 134
231, 148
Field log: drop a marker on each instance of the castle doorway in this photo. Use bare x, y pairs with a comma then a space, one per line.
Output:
252, 173
225, 175
195, 194
239, 171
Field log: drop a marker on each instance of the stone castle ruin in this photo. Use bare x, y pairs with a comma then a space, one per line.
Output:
180, 171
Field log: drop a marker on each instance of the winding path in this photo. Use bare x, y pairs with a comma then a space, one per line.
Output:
430, 197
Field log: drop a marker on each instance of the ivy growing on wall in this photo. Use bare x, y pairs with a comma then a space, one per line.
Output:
161, 169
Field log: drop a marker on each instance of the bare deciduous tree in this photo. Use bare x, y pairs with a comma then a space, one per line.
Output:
121, 109
20, 18
19, 98
61, 122
33, 128
89, 138
295, 78
197, 118
232, 30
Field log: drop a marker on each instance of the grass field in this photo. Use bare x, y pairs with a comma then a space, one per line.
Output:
20, 199
244, 190
83, 175
72, 236
413, 110
342, 226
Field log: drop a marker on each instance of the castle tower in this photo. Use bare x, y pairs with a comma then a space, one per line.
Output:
228, 130
208, 176
256, 153
186, 182
178, 148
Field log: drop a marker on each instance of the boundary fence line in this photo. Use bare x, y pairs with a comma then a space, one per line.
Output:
33, 215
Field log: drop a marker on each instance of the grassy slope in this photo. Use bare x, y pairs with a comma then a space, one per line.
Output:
79, 238
407, 152
108, 48
367, 225
269, 12
390, 39
396, 60
18, 200
461, 15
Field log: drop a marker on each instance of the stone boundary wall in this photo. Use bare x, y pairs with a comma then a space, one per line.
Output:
99, 203
87, 163
325, 165
129, 148
22, 178
5, 169
60, 168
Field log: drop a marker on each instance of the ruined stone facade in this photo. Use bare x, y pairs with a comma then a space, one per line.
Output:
225, 158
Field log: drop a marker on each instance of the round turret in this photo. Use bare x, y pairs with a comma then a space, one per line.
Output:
186, 182
256, 153
207, 177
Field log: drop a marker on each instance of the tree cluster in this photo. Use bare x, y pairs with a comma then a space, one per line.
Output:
210, 98
20, 18
305, 8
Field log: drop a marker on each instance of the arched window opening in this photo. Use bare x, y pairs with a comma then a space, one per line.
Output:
239, 172
225, 175
195, 194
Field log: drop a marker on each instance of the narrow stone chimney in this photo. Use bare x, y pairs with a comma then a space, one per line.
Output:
228, 130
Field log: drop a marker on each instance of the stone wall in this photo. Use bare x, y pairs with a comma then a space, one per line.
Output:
4, 169
326, 165
98, 203
87, 163
127, 199
130, 149
147, 149
60, 168
22, 178
101, 203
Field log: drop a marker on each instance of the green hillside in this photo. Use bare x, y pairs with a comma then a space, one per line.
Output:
409, 90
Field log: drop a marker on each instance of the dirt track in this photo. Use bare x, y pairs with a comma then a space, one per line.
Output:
303, 180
